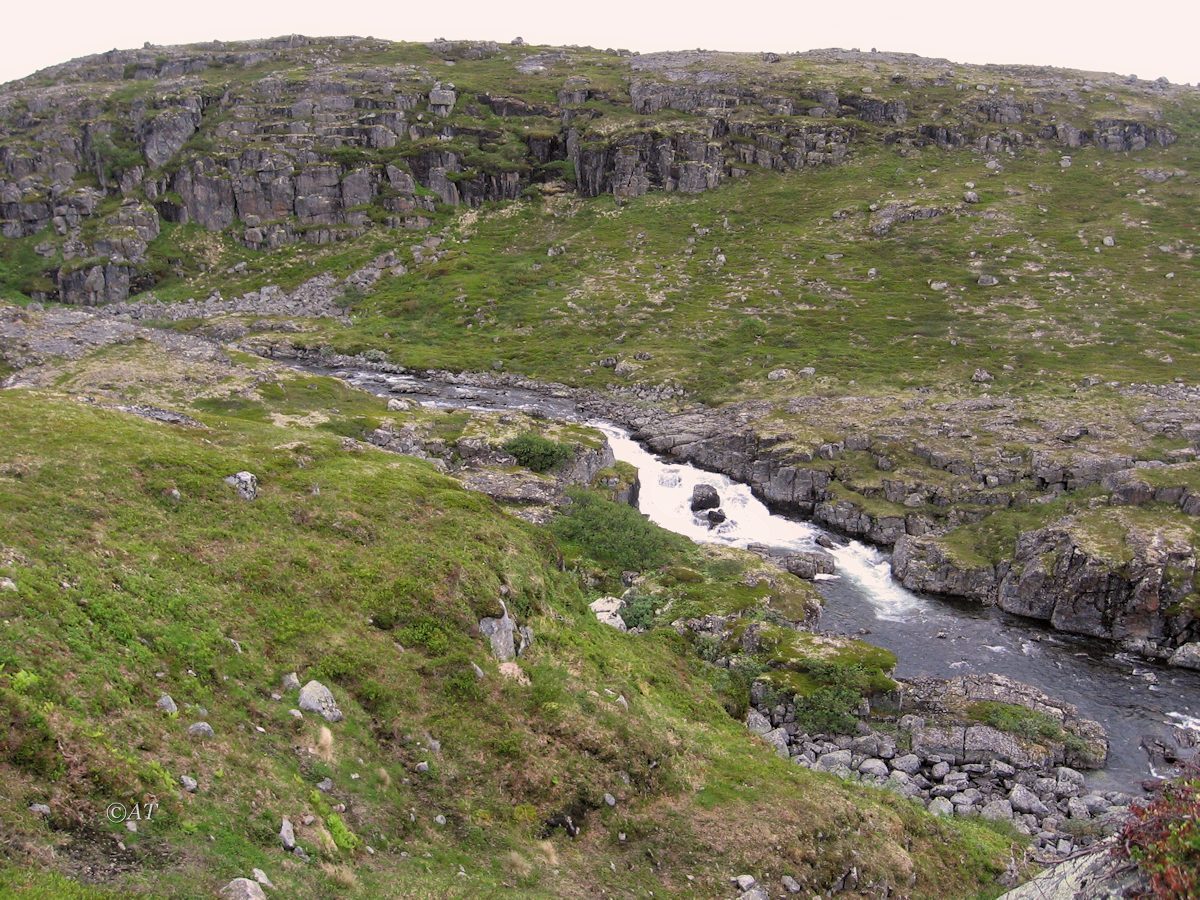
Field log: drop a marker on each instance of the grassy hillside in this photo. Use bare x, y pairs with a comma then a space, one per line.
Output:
368, 572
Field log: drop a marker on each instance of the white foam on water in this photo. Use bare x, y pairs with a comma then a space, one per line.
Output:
1184, 721
666, 492
871, 571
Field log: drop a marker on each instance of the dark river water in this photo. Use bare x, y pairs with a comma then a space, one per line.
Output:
929, 635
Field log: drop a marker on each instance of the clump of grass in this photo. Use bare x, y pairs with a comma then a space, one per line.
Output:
1018, 720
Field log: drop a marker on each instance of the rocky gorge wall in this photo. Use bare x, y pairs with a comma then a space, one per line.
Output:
317, 140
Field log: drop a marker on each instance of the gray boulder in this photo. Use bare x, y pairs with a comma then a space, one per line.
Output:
705, 496
501, 633
315, 697
997, 810
940, 806
167, 705
778, 739
1186, 657
1024, 800
287, 835
246, 484
874, 767
188, 783
909, 764
829, 761
243, 889
201, 730
809, 565
757, 722
608, 611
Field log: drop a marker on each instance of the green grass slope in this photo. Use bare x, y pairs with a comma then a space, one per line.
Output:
367, 571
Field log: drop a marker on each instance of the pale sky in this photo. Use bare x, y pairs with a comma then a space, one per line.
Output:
1148, 39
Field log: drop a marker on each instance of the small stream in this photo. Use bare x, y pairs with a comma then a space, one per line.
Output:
929, 635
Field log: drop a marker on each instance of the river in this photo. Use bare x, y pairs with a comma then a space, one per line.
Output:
933, 636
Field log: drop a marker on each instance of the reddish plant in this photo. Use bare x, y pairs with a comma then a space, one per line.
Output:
1162, 839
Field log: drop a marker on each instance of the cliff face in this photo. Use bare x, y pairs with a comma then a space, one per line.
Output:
318, 140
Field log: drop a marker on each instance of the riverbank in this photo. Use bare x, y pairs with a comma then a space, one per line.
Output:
930, 636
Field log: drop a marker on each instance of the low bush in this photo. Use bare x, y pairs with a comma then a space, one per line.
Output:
1162, 839
536, 452
615, 535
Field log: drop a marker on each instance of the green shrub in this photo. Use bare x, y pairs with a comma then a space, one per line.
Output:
828, 709
639, 612
614, 534
536, 452
340, 832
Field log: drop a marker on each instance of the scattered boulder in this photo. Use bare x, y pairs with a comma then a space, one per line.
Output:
39, 809
7, 584
705, 496
1186, 657
201, 730
608, 611
988, 281
315, 697
167, 705
290, 682
287, 835
243, 889
188, 783
501, 633
261, 877
809, 565
246, 484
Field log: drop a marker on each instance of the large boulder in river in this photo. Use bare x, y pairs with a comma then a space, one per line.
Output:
809, 565
705, 496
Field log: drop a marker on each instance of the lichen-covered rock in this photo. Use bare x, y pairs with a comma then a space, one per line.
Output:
608, 611
316, 697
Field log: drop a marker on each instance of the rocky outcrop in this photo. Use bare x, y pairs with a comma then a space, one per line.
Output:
925, 564
345, 143
938, 757
1054, 576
